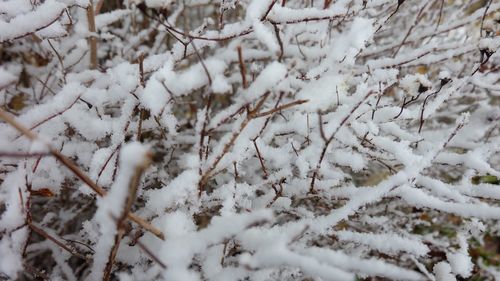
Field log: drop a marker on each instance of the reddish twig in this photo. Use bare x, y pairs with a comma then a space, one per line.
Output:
77, 171
242, 68
332, 136
133, 187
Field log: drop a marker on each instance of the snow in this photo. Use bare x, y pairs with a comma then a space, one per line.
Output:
110, 207
287, 14
220, 85
184, 242
322, 93
10, 246
420, 198
266, 36
257, 9
12, 8
349, 158
413, 83
13, 216
27, 23
183, 188
363, 266
106, 19
267, 79
442, 270
6, 78
460, 261
12, 190
386, 243
158, 3
357, 124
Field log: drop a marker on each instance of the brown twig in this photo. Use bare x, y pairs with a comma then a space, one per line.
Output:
77, 171
405, 103
98, 7
55, 115
60, 59
484, 16
143, 84
320, 125
417, 20
242, 68
22, 154
332, 136
440, 15
149, 252
251, 114
35, 273
280, 42
35, 30
92, 39
421, 124
264, 170
141, 70
107, 162
47, 236
121, 221
443, 82
280, 108
205, 176
202, 62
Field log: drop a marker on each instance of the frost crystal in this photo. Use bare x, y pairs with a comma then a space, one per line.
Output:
249, 140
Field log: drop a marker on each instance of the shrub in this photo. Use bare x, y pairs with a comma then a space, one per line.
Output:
249, 140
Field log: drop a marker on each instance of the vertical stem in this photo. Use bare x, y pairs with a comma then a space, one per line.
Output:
98, 7
92, 38
242, 67
121, 226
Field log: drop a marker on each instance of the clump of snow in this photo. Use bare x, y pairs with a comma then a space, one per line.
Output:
324, 92
266, 36
488, 44
158, 3
267, 79
315, 168
386, 243
220, 85
413, 84
442, 271
11, 246
460, 261
257, 8
6, 78
110, 207
27, 23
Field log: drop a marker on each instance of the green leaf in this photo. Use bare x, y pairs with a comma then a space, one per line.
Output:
485, 179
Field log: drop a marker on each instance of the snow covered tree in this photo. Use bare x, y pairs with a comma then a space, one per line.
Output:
249, 140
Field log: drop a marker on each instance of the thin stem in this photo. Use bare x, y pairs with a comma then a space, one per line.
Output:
77, 171
92, 39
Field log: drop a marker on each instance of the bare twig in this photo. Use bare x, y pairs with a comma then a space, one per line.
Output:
92, 39
47, 236
264, 170
22, 154
280, 108
484, 16
60, 59
35, 30
77, 171
120, 224
35, 273
332, 136
280, 42
98, 7
242, 68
